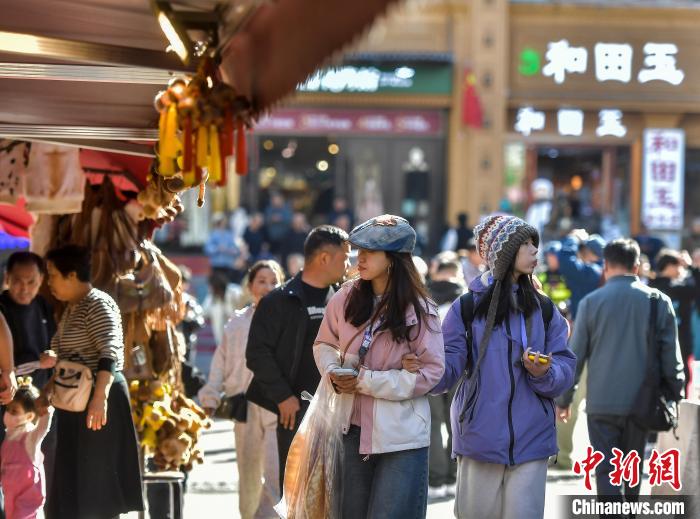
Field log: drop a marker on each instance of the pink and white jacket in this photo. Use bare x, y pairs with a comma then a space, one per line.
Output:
394, 410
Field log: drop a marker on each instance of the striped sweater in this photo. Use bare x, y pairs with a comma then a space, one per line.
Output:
90, 332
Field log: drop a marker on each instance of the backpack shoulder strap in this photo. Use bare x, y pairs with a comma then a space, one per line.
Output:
466, 305
652, 349
547, 312
653, 312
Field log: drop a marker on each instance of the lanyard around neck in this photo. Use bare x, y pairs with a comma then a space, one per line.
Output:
370, 331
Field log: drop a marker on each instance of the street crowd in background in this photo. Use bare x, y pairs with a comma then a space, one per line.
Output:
495, 286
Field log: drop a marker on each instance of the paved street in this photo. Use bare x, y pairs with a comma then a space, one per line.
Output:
213, 486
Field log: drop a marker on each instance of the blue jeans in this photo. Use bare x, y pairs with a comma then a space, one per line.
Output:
386, 486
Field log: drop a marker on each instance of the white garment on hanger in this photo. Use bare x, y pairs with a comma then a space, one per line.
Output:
55, 181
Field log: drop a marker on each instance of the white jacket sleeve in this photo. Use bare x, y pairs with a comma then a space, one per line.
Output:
394, 384
210, 394
327, 357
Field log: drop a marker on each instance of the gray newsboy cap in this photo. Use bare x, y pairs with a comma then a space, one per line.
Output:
387, 233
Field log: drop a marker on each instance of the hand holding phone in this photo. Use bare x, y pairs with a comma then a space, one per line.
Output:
344, 380
544, 359
344, 372
536, 368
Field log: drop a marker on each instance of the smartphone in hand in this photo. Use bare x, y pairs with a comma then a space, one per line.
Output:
544, 359
345, 372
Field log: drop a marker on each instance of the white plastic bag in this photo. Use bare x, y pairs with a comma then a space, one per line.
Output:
314, 464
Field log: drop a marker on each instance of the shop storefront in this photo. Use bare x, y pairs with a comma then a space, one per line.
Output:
603, 102
378, 160
371, 132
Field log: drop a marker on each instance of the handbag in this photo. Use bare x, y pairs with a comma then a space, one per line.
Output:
233, 408
72, 385
163, 349
71, 382
653, 411
145, 288
137, 353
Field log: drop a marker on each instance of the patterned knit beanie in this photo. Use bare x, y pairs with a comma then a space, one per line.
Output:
498, 240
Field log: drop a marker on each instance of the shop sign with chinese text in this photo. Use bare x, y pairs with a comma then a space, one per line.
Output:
370, 79
663, 179
604, 58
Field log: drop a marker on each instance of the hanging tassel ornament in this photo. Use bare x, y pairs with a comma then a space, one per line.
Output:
202, 147
187, 160
241, 154
201, 126
169, 145
214, 165
222, 157
227, 149
202, 192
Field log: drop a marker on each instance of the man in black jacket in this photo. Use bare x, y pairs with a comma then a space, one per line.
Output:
283, 331
674, 280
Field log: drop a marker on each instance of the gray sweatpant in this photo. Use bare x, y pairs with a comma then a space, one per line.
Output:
493, 491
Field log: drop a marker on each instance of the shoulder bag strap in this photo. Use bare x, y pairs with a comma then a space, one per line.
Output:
651, 335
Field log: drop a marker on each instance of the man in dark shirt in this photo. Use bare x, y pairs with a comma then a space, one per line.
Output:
283, 331
295, 238
31, 323
255, 237
29, 317
464, 231
673, 280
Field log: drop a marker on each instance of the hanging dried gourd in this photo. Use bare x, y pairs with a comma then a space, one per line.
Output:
202, 124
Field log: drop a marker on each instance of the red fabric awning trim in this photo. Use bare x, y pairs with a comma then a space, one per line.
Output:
15, 220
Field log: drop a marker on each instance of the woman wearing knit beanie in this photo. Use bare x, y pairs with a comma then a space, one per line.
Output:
503, 421
370, 323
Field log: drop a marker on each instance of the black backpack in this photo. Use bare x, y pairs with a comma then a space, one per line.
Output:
466, 304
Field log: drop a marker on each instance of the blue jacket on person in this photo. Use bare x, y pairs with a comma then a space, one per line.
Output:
222, 249
513, 418
582, 278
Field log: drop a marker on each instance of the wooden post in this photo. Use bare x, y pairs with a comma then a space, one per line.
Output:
636, 186
530, 171
608, 173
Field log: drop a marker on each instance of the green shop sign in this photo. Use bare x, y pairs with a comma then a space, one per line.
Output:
406, 79
530, 62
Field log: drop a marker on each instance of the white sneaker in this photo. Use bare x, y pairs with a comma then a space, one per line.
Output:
451, 490
437, 492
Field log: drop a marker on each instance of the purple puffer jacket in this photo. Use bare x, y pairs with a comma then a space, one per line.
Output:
512, 420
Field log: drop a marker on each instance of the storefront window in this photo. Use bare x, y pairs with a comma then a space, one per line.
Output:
302, 169
367, 176
416, 192
591, 188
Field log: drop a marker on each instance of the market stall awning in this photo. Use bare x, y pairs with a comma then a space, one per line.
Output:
90, 75
88, 70
127, 173
285, 41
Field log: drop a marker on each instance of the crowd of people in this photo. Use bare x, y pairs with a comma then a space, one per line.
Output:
475, 344
277, 233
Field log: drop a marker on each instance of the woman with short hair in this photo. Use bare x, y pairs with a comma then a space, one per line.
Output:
97, 459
